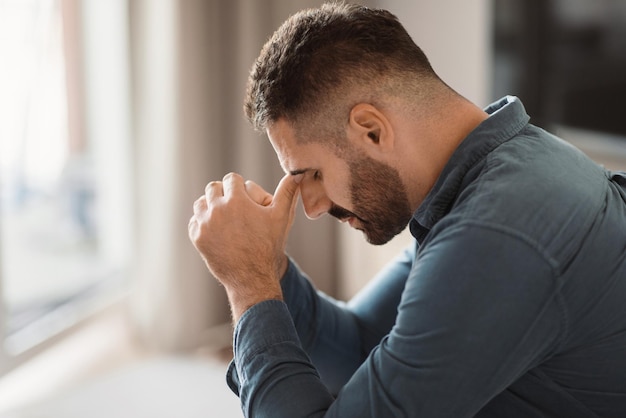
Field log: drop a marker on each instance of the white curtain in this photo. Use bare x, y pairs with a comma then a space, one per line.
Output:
190, 61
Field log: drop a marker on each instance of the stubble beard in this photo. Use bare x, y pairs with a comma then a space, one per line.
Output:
380, 198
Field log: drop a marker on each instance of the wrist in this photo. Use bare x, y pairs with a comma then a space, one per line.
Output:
240, 302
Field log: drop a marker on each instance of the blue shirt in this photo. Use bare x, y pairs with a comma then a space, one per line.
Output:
511, 302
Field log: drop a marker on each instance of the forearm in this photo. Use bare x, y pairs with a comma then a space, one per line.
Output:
328, 331
376, 305
275, 377
242, 298
338, 336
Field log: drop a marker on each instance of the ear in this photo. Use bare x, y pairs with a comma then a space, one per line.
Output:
370, 128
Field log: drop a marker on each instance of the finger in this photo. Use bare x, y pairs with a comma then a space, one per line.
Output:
213, 190
258, 194
286, 193
233, 183
192, 227
199, 205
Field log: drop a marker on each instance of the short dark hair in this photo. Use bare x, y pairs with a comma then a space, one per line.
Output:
319, 53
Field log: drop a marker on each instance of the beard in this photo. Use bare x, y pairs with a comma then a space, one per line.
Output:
380, 198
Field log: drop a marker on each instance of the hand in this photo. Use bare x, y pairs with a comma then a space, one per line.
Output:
241, 232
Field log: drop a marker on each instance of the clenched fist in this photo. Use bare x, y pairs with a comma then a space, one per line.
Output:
240, 230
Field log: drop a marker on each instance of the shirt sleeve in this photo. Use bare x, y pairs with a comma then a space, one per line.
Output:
338, 336
480, 308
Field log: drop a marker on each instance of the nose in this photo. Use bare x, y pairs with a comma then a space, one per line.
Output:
314, 199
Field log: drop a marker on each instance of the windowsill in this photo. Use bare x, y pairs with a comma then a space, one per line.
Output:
100, 343
97, 347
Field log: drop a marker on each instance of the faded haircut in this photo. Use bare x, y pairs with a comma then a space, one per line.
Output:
318, 57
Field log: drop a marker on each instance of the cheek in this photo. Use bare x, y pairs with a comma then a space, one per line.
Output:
338, 191
334, 183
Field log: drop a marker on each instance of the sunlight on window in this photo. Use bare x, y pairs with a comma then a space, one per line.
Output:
49, 247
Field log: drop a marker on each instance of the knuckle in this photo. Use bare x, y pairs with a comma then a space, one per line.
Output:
232, 177
192, 229
199, 204
212, 185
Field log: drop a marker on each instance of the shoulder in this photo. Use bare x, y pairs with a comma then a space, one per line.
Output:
535, 186
534, 172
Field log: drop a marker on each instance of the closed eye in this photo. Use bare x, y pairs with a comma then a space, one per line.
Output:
316, 173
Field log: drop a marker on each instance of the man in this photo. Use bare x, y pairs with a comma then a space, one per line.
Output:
510, 303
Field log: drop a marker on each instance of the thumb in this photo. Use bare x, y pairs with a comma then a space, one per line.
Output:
286, 193
257, 194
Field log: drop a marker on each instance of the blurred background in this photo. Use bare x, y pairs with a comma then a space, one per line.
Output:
115, 114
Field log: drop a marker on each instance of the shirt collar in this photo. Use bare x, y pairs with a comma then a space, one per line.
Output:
507, 117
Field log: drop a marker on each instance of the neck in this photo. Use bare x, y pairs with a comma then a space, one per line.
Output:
433, 135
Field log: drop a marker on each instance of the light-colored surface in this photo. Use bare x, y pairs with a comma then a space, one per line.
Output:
102, 343
153, 388
101, 370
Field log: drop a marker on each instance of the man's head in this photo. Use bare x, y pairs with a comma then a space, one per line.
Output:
343, 93
322, 61
349, 185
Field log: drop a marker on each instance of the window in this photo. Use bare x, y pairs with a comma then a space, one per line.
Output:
565, 59
65, 239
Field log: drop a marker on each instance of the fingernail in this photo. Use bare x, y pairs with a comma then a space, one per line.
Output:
298, 178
